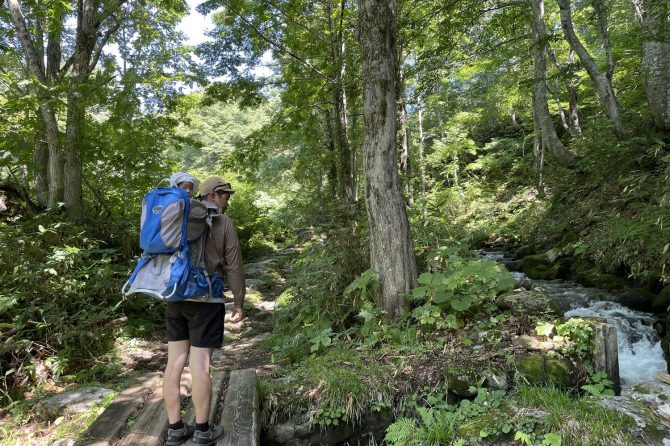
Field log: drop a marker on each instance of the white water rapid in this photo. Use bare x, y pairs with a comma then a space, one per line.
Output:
640, 353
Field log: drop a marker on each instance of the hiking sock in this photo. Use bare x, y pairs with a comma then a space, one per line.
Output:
178, 425
203, 427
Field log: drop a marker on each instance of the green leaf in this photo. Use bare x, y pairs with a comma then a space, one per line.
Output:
544, 328
551, 439
461, 304
506, 429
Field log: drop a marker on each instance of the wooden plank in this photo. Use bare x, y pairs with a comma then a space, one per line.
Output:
219, 380
240, 418
113, 420
150, 427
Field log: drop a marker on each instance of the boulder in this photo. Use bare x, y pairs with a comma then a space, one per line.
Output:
541, 370
79, 400
528, 303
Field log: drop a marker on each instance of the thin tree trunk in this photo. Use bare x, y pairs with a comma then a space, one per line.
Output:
656, 60
572, 99
600, 7
338, 48
540, 108
332, 172
392, 251
76, 110
41, 158
422, 163
602, 84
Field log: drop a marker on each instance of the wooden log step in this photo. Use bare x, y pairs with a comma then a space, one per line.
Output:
151, 425
241, 418
112, 421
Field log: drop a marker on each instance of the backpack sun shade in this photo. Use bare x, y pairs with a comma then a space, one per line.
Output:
172, 268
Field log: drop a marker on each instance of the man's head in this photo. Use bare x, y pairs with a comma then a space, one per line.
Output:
217, 191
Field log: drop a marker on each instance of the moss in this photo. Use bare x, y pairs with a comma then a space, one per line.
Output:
460, 379
540, 370
535, 266
489, 422
594, 278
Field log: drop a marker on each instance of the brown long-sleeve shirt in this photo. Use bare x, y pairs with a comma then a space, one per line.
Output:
224, 255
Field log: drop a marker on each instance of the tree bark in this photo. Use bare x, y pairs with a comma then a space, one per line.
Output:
540, 108
656, 60
602, 84
392, 251
332, 171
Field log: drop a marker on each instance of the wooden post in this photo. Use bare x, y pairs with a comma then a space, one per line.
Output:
606, 352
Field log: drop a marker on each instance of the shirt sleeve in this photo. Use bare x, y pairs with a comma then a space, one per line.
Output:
233, 265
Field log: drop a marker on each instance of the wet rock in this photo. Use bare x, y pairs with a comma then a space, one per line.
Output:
537, 267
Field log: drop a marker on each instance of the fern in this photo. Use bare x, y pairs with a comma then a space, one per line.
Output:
400, 433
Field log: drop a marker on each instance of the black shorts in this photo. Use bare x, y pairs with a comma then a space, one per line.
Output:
198, 322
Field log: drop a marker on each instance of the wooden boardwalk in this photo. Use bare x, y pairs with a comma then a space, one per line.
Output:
137, 415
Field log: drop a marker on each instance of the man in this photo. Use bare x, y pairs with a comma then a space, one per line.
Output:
195, 328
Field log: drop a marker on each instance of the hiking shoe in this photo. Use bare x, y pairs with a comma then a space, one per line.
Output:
175, 437
207, 437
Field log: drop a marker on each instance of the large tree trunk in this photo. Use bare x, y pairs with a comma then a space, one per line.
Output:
76, 109
332, 171
392, 252
602, 84
540, 108
656, 60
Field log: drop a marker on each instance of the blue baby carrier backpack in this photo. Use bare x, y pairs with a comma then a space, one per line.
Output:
173, 231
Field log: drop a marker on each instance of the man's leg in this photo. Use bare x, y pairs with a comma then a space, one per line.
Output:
177, 355
201, 382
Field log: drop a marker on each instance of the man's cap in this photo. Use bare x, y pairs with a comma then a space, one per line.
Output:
215, 184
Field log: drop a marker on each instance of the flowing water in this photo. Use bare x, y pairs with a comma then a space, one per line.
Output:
640, 353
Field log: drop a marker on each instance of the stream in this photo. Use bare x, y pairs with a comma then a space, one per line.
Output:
639, 342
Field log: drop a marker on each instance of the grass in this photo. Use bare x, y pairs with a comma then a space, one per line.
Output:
579, 421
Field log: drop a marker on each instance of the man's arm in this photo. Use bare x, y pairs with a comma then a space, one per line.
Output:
234, 267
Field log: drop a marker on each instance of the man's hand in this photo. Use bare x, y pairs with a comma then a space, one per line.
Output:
238, 314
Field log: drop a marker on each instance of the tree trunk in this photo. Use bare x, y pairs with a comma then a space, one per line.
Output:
332, 171
572, 100
36, 68
337, 49
602, 84
656, 60
540, 108
76, 109
422, 163
41, 158
603, 27
392, 252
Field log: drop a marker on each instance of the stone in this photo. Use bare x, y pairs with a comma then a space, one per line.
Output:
460, 379
541, 370
299, 431
534, 302
552, 255
79, 400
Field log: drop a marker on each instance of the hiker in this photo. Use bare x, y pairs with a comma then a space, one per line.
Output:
184, 181
195, 328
